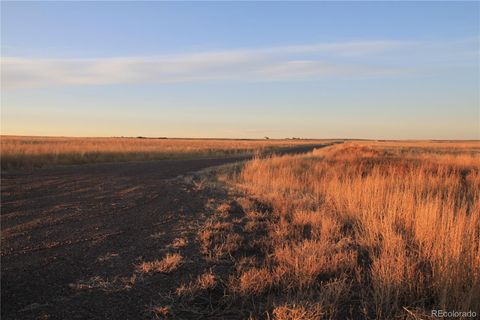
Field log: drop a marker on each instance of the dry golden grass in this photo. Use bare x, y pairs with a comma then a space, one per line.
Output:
168, 264
161, 312
23, 151
297, 312
217, 237
375, 229
179, 243
255, 281
204, 282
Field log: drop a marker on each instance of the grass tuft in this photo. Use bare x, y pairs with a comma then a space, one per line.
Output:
168, 264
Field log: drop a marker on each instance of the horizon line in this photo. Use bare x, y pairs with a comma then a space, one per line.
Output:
238, 138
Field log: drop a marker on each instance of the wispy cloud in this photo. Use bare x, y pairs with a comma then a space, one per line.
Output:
343, 59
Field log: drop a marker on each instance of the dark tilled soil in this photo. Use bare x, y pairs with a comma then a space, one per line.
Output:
72, 237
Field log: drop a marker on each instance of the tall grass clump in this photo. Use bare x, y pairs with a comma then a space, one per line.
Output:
394, 227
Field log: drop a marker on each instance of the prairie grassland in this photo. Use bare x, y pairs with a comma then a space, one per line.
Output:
375, 230
21, 152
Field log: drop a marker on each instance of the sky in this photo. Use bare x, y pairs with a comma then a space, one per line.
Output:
379, 70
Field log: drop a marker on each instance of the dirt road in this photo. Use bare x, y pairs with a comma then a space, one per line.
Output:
72, 236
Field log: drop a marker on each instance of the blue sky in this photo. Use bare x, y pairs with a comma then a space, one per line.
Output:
241, 69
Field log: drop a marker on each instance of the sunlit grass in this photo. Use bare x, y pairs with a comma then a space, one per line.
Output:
28, 152
391, 226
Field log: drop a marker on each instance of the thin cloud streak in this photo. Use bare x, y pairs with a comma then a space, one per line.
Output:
265, 64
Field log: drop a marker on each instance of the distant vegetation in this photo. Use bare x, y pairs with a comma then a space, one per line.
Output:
29, 152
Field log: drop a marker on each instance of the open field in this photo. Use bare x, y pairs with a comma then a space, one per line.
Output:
233, 160
359, 230
28, 152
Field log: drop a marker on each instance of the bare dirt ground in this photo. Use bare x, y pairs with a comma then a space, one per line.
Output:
73, 236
